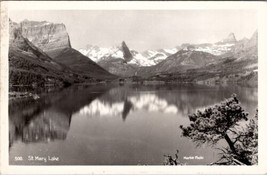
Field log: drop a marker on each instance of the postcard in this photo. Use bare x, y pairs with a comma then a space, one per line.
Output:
133, 87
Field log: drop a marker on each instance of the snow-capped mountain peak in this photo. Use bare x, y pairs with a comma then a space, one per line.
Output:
219, 48
97, 53
121, 51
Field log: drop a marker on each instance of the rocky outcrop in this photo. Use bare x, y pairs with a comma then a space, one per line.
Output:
49, 37
126, 52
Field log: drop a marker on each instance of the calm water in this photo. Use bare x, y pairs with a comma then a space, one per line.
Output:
103, 125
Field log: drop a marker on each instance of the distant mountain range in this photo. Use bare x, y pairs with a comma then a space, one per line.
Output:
41, 53
147, 58
114, 59
153, 57
178, 59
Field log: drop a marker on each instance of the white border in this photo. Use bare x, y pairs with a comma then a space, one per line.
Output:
261, 168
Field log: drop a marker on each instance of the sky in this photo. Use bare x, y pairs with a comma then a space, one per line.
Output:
146, 29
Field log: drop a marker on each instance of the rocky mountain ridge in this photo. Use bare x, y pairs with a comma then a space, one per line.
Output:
153, 57
36, 56
29, 65
168, 60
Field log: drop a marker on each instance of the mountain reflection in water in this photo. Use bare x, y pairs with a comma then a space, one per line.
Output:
121, 101
89, 115
49, 117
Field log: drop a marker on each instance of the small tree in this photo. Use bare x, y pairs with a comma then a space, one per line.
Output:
245, 140
222, 122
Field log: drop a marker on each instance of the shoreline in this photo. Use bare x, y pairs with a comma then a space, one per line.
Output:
35, 92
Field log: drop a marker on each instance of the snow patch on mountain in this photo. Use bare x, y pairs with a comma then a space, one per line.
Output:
215, 49
171, 51
140, 60
96, 53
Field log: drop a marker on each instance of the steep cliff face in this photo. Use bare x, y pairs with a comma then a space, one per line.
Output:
29, 65
19, 43
52, 40
49, 37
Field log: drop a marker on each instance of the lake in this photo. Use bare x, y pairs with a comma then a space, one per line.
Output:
114, 125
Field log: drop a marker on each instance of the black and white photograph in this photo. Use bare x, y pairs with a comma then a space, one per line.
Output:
133, 87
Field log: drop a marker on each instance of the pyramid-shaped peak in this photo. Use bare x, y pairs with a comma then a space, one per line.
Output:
230, 38
253, 41
123, 44
126, 51
231, 34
